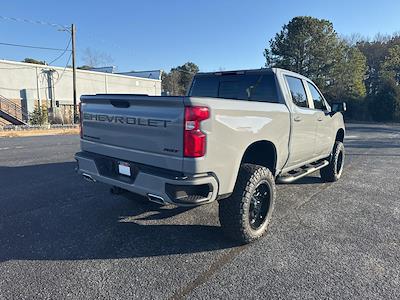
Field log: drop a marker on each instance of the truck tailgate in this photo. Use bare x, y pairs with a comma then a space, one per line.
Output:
147, 129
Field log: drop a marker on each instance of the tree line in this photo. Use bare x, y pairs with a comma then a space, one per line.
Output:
177, 81
363, 72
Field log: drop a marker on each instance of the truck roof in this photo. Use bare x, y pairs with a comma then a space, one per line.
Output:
261, 70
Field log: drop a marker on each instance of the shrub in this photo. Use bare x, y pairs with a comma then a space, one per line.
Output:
39, 115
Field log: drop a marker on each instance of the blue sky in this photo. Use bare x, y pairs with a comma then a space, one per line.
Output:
143, 35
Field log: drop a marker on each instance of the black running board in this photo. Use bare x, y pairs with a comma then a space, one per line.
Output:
302, 171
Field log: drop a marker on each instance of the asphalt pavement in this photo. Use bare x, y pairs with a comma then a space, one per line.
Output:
62, 237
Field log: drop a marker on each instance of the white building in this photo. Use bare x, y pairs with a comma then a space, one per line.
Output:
26, 85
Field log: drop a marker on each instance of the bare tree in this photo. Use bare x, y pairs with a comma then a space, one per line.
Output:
93, 58
353, 39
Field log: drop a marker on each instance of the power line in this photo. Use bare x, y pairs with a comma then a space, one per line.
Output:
62, 54
34, 22
63, 71
33, 47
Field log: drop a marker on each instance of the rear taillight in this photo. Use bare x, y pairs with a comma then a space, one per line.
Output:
194, 138
80, 120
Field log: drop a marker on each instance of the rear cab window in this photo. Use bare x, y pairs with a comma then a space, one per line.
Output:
297, 90
251, 87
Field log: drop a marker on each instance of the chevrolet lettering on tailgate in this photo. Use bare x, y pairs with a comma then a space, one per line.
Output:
126, 120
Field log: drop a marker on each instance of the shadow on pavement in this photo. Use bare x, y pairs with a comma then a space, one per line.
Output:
375, 129
373, 154
48, 212
376, 144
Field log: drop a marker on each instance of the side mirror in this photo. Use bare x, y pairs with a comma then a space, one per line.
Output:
338, 107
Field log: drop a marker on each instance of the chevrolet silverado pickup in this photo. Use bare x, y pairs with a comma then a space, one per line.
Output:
231, 139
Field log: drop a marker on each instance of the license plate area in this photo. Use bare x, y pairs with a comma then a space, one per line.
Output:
110, 167
124, 168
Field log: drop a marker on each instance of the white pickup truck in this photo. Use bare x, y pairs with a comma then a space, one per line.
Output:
230, 139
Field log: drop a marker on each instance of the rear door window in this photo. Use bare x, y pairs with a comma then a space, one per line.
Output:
251, 87
297, 91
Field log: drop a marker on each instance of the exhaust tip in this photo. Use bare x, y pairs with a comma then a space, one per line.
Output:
88, 177
156, 199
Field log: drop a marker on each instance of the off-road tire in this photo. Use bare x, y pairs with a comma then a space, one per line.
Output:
334, 170
234, 212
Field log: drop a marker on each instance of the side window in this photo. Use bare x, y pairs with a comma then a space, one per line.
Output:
317, 97
297, 90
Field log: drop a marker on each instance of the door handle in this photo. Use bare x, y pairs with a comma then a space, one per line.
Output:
297, 119
320, 119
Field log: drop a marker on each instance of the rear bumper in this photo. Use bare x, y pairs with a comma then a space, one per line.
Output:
157, 185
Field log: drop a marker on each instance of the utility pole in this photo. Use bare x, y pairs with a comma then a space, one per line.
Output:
73, 31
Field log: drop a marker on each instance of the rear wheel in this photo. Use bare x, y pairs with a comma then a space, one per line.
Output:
334, 170
246, 214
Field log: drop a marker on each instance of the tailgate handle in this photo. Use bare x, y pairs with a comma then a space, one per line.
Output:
120, 103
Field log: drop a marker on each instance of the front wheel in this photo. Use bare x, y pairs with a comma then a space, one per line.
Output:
246, 214
334, 170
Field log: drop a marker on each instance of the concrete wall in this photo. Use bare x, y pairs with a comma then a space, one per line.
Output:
27, 83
